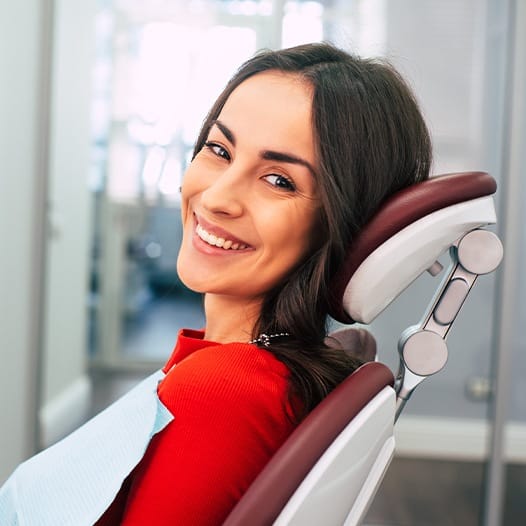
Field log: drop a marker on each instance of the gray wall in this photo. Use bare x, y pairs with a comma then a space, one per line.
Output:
66, 389
23, 81
515, 163
45, 95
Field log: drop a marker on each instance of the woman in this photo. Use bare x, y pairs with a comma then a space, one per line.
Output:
293, 159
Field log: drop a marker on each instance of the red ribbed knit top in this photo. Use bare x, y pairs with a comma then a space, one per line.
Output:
231, 409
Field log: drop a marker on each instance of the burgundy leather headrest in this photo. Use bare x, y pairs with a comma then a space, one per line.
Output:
400, 210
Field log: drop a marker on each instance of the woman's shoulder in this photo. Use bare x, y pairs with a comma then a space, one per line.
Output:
233, 358
227, 371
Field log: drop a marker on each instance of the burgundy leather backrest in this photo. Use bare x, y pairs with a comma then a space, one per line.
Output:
280, 478
359, 343
400, 210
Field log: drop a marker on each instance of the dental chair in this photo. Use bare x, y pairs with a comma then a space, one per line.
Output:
329, 469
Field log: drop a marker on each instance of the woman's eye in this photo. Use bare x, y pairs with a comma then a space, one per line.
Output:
218, 150
280, 182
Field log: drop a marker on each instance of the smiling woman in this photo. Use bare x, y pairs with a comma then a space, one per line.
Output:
251, 187
293, 159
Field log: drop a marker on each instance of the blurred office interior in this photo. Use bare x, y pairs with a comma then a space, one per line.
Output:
101, 101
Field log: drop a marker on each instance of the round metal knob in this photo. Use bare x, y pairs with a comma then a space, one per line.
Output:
425, 353
480, 252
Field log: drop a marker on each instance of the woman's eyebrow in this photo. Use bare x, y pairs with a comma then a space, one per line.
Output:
283, 157
225, 130
269, 155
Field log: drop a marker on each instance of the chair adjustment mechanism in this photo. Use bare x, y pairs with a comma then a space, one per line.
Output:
422, 348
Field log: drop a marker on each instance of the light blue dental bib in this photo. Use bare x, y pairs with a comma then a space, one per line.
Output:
74, 481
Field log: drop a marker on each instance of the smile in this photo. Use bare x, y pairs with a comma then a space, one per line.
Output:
215, 241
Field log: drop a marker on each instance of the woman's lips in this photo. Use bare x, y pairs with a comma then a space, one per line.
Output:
217, 237
219, 242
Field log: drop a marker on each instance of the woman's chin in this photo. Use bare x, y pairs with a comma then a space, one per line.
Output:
189, 278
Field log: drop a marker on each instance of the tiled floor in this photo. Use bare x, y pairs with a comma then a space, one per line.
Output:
418, 492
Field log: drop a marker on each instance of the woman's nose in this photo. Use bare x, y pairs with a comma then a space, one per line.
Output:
226, 194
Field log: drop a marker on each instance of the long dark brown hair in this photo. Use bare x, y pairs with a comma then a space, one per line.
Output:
371, 141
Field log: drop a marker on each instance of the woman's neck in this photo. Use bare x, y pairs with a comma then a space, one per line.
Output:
230, 320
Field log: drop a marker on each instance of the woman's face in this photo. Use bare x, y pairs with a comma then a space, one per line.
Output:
249, 198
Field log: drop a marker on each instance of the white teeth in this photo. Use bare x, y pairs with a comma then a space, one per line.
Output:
211, 239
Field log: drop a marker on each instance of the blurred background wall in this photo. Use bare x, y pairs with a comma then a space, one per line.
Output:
24, 80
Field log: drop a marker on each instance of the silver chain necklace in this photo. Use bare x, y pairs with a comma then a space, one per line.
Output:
264, 339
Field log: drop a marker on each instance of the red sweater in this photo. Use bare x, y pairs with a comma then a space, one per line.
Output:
230, 415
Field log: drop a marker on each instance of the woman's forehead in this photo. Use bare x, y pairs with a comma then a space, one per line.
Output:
274, 82
273, 108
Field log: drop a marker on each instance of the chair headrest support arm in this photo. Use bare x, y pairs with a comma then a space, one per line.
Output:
400, 210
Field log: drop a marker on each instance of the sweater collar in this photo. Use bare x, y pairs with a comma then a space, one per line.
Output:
188, 341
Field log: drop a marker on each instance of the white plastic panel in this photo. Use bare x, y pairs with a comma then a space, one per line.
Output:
348, 473
400, 260
371, 485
